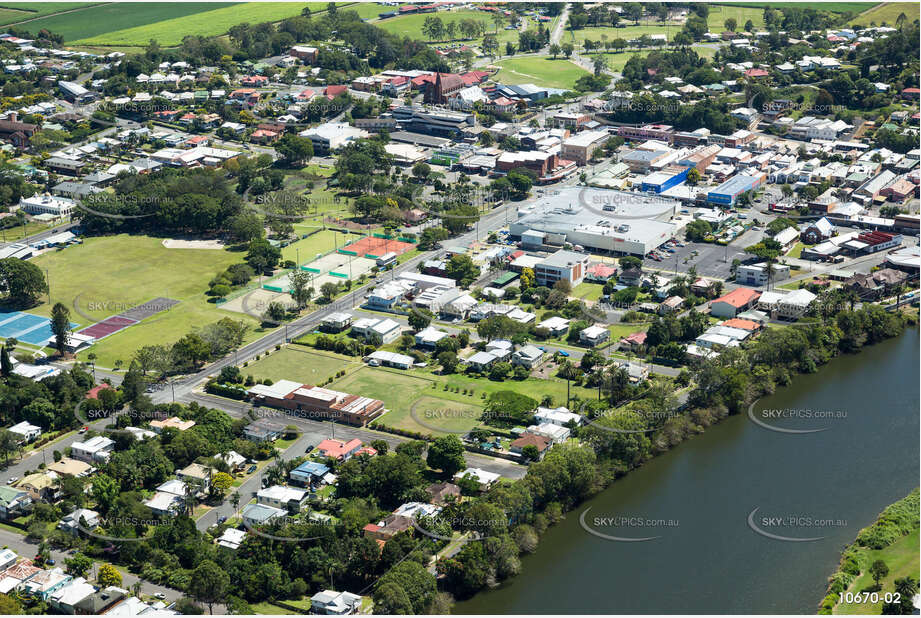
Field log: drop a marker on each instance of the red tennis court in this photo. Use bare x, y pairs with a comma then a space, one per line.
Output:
379, 246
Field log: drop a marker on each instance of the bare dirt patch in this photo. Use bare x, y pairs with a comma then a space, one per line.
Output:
178, 243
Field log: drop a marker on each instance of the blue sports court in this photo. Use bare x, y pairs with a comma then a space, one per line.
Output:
25, 327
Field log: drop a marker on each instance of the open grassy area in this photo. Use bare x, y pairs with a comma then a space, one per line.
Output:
411, 25
307, 249
400, 390
453, 416
107, 275
597, 33
887, 13
175, 21
588, 291
720, 13
834, 7
267, 608
902, 559
299, 364
539, 70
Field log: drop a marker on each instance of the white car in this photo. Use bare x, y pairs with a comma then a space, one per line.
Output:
12, 480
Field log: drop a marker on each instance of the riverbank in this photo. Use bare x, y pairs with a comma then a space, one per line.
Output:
711, 484
893, 539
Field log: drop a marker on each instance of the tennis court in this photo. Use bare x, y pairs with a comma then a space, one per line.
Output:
26, 327
372, 246
107, 327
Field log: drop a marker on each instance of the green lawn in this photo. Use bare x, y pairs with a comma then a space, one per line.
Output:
299, 364
541, 71
107, 275
175, 21
588, 291
306, 249
435, 412
411, 25
269, 608
887, 12
902, 559
595, 33
400, 390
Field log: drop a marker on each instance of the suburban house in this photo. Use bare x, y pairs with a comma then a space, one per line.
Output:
541, 443
309, 474
25, 432
332, 603
288, 498
94, 450
735, 302
527, 356
263, 430
261, 514
443, 493
71, 523
337, 449
483, 478
594, 335
14, 503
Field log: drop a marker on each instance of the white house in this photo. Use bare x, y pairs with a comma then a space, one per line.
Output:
482, 477
281, 497
26, 432
556, 416
93, 450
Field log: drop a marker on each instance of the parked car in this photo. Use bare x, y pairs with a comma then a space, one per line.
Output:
12, 480
251, 469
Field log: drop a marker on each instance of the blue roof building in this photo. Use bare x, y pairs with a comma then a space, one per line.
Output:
309, 472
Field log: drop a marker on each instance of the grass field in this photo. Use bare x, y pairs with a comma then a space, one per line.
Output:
411, 25
453, 416
720, 13
540, 71
834, 7
588, 291
110, 274
626, 33
15, 12
298, 364
902, 559
887, 13
132, 27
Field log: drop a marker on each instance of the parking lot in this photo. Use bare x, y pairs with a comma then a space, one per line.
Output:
709, 260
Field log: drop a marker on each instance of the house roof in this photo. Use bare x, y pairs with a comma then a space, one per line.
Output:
739, 297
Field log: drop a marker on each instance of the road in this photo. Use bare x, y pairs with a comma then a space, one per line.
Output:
312, 432
557, 35
25, 549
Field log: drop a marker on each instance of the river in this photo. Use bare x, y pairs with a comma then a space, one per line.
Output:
697, 499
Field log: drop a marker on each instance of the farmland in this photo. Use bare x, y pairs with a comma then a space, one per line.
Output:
886, 13
540, 71
16, 12
97, 20
203, 22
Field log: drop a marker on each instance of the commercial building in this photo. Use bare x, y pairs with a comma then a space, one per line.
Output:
319, 403
661, 132
582, 146
47, 205
562, 265
727, 193
442, 123
758, 275
75, 93
671, 176
332, 136
598, 219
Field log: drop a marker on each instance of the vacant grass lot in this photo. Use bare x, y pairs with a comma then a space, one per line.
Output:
433, 413
541, 71
902, 559
720, 13
307, 249
179, 20
298, 364
411, 25
887, 13
626, 33
106, 275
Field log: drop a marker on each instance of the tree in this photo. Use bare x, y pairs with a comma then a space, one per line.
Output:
79, 565
105, 491
209, 584
60, 326
422, 171
10, 606
530, 452
526, 280
448, 361
262, 256
294, 149
6, 366
221, 483
108, 576
133, 382
446, 454
730, 24
23, 281
328, 290
300, 287
555, 50
878, 570
462, 269
419, 319
693, 176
